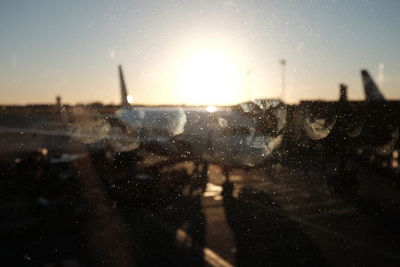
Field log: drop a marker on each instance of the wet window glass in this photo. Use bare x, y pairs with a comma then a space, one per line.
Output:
199, 133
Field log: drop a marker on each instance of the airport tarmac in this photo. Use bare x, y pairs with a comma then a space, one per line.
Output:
339, 228
122, 215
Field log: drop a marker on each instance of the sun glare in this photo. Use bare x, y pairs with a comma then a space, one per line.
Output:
211, 109
209, 77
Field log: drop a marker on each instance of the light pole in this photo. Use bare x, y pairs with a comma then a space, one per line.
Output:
283, 64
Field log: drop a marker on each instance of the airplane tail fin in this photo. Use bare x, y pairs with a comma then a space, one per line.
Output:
124, 93
372, 92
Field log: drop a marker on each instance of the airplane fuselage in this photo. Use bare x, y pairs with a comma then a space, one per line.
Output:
223, 137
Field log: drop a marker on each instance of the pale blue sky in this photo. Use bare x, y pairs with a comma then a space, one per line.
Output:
72, 48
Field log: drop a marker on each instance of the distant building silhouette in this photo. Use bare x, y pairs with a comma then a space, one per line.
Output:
58, 101
343, 92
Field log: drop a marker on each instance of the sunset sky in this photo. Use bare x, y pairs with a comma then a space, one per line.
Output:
195, 52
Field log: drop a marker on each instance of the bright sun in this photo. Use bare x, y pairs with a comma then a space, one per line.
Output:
209, 77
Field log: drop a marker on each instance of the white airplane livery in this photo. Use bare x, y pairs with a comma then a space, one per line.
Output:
218, 135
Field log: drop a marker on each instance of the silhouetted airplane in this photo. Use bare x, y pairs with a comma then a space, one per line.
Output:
372, 92
369, 123
223, 136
